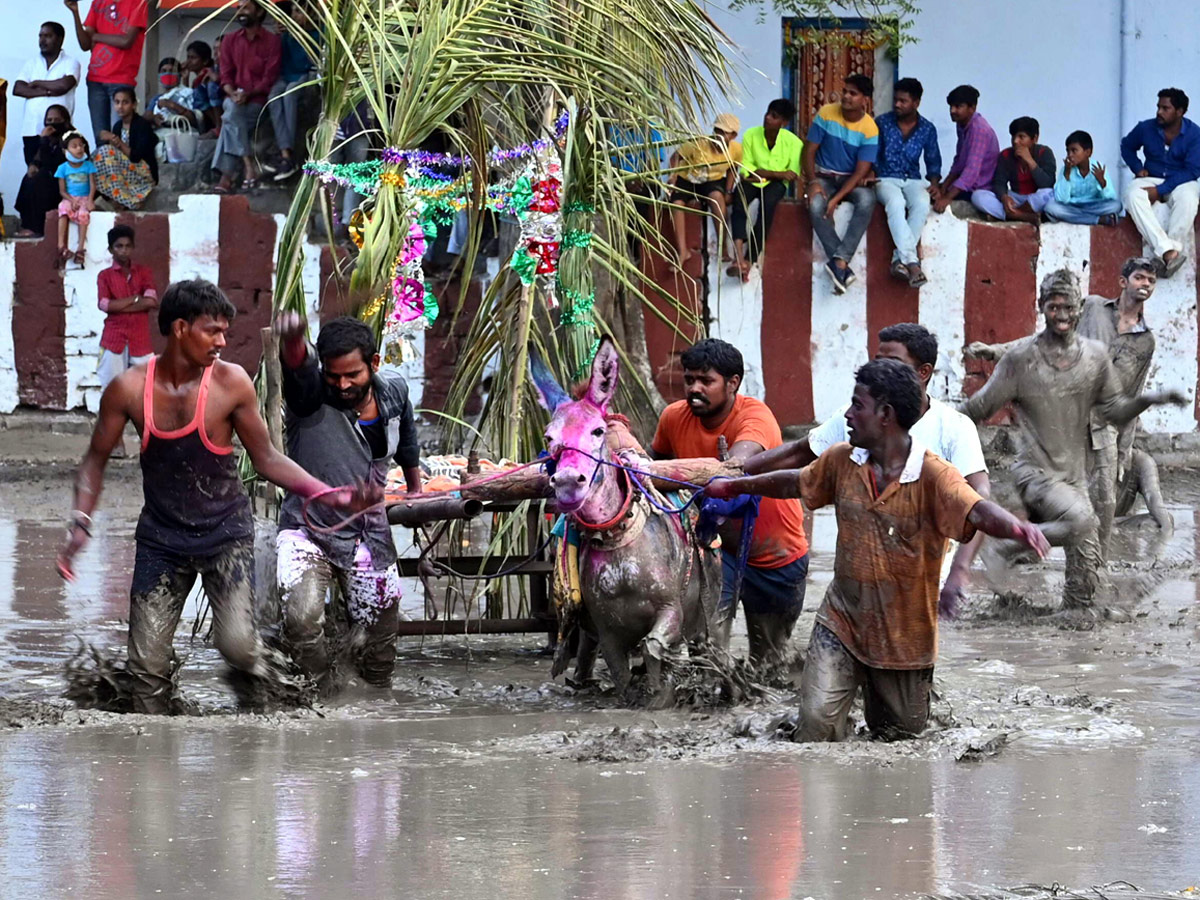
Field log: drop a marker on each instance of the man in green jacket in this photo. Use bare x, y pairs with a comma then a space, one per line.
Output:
770, 162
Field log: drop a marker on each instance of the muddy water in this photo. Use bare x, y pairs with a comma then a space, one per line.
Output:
1058, 756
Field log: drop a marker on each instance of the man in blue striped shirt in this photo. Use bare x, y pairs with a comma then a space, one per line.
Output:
904, 136
1170, 144
840, 150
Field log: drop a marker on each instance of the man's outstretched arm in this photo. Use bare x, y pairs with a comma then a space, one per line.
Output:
990, 518
788, 455
783, 484
89, 481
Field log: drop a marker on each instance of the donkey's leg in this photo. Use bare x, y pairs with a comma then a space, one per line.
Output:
585, 657
616, 657
664, 639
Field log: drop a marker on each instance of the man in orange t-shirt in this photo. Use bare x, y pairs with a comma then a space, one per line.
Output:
772, 589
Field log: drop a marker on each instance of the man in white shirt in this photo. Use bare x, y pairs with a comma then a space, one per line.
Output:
941, 428
49, 78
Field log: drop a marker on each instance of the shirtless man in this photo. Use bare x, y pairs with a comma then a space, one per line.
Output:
1055, 380
940, 427
187, 405
1116, 471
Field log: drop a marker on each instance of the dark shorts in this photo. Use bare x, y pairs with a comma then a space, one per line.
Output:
688, 192
766, 591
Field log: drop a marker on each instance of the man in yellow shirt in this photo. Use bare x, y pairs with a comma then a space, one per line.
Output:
770, 162
704, 173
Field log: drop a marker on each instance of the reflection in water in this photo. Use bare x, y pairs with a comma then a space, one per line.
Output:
389, 809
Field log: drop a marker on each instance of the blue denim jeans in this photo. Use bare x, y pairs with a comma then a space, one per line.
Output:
906, 203
862, 199
988, 202
100, 107
1086, 213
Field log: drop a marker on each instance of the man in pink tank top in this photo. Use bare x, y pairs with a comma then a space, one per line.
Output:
188, 404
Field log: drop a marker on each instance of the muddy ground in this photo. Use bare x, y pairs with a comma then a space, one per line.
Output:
1057, 756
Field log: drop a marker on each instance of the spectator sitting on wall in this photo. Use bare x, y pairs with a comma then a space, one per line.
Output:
843, 142
126, 295
39, 188
211, 81
114, 31
77, 188
975, 154
1084, 195
176, 98
127, 166
1024, 179
295, 70
49, 78
250, 60
904, 136
770, 162
705, 177
1171, 146
197, 69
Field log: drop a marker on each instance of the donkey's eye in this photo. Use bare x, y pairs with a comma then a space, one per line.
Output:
598, 432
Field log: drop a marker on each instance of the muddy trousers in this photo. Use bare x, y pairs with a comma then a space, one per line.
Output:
1067, 518
895, 701
371, 595
1102, 486
161, 583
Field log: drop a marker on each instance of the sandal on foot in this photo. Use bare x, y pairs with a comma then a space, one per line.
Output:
80, 258
250, 184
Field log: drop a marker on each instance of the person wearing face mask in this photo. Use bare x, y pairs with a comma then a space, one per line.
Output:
250, 62
176, 98
39, 188
127, 166
346, 423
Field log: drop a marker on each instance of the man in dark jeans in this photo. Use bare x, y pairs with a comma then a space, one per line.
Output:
770, 162
114, 32
347, 421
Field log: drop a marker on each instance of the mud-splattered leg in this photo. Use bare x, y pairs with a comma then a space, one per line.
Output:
373, 603
831, 678
896, 703
1065, 515
585, 657
616, 657
228, 579
161, 582
1102, 487
304, 577
1142, 478
772, 600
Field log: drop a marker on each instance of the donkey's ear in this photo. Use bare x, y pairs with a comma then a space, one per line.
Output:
549, 391
605, 369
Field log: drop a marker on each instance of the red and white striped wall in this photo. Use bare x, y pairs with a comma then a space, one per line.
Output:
802, 343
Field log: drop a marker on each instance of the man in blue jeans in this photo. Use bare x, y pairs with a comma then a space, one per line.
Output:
840, 149
904, 136
114, 31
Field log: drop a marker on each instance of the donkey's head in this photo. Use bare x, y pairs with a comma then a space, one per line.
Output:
575, 435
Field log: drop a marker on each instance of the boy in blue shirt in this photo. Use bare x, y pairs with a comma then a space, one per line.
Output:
1083, 195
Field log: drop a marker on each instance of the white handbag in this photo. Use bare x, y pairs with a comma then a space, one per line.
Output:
181, 140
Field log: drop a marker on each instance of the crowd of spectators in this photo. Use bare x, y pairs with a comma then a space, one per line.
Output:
849, 156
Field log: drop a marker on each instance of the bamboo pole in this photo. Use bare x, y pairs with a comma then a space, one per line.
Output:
273, 399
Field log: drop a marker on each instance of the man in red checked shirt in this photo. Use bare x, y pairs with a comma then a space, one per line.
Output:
127, 294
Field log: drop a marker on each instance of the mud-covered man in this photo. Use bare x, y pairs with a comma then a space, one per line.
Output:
773, 583
346, 422
187, 404
897, 504
1055, 381
1117, 471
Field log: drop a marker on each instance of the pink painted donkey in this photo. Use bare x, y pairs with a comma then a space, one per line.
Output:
644, 582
